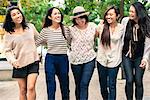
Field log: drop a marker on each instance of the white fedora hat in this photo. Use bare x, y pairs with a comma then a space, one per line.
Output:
79, 11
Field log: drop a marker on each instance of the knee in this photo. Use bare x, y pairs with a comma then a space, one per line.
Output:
64, 77
129, 81
31, 88
84, 84
50, 76
23, 91
138, 82
112, 86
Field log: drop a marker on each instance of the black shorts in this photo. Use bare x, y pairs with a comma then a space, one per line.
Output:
25, 71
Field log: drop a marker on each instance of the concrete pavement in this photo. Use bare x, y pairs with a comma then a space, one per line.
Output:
9, 89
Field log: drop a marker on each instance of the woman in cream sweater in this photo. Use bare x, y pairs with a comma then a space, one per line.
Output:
20, 50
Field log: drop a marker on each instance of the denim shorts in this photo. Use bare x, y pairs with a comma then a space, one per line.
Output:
25, 71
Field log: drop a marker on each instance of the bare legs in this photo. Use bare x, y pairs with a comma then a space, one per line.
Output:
27, 87
22, 88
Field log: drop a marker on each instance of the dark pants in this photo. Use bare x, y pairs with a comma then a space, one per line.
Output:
57, 64
133, 74
82, 74
107, 79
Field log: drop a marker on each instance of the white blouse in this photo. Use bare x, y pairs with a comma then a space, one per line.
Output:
111, 57
82, 44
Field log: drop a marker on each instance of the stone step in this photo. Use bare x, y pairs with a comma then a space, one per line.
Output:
5, 71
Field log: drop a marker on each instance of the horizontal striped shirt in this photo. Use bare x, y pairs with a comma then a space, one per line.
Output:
56, 43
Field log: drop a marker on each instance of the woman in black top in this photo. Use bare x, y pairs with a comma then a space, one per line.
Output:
136, 49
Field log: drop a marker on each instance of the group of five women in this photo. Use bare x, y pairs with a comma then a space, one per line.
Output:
128, 42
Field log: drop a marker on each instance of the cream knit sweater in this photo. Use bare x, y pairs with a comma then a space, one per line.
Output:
21, 48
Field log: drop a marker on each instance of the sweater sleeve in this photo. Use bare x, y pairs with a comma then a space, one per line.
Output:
146, 54
68, 35
124, 22
123, 33
41, 38
36, 33
8, 49
100, 29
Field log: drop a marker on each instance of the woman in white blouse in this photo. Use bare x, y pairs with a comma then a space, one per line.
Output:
109, 54
82, 55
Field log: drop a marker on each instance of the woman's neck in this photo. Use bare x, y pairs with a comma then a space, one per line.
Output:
18, 26
55, 26
82, 27
136, 20
113, 25
18, 29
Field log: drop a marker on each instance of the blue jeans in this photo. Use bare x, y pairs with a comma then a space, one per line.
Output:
57, 64
133, 74
107, 79
82, 74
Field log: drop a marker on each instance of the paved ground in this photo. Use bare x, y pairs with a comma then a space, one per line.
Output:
9, 89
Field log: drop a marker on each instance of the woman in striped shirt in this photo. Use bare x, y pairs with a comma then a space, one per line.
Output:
54, 34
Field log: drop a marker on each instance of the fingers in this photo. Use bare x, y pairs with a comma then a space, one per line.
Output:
143, 64
101, 21
15, 64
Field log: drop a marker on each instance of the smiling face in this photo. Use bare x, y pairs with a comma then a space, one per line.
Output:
55, 16
111, 16
80, 21
16, 16
132, 13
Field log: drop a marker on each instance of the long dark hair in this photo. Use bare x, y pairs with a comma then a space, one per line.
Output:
105, 37
8, 24
143, 21
48, 22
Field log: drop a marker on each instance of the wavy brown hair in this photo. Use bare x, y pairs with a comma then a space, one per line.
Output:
8, 24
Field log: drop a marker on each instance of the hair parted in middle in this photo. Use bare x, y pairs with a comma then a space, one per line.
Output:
9, 25
48, 22
105, 38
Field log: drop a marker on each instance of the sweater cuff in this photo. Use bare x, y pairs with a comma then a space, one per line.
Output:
11, 61
147, 63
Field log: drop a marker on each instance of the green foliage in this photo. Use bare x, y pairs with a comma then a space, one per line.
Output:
35, 11
96, 8
2, 10
127, 4
3, 3
89, 6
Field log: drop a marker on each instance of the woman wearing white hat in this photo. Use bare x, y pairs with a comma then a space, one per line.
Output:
82, 54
